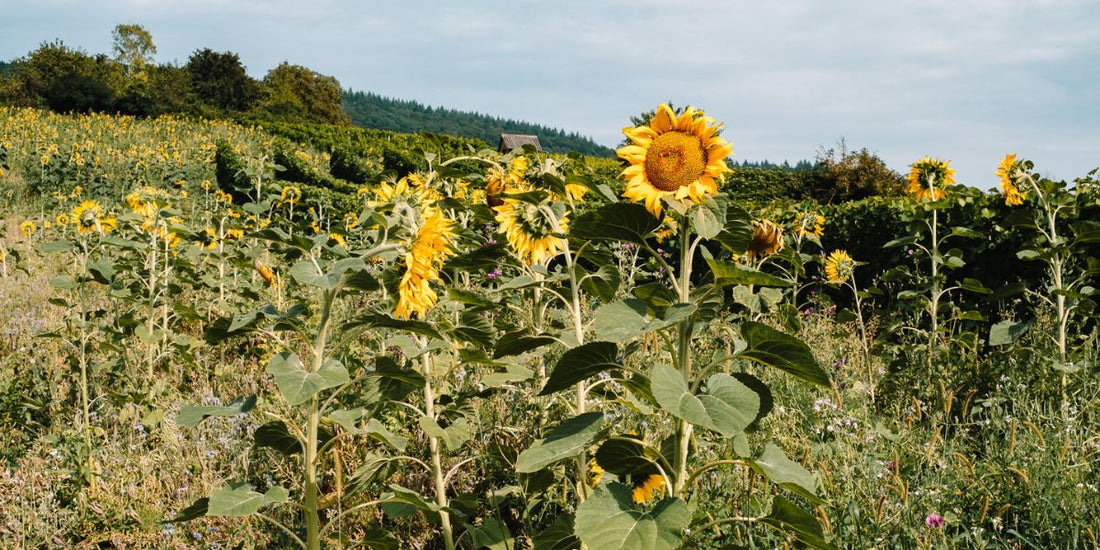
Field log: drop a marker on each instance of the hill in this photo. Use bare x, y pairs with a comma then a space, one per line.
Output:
371, 110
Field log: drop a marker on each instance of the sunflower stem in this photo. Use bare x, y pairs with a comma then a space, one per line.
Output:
683, 345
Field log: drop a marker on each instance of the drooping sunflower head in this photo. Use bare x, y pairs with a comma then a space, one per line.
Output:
649, 487
928, 177
677, 156
145, 201
530, 228
839, 266
1007, 172
266, 273
434, 242
208, 239
291, 194
767, 239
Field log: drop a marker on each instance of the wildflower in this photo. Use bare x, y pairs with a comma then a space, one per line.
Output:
28, 227
934, 520
928, 177
767, 239
839, 266
425, 256
1006, 171
674, 156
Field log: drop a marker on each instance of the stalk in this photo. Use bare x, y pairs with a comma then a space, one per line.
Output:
934, 304
437, 458
683, 345
313, 420
83, 360
581, 389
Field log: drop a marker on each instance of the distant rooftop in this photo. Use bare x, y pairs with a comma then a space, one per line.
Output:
513, 141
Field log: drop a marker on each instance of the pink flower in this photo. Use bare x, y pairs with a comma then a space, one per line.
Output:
934, 520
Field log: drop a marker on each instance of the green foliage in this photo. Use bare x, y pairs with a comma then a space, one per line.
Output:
219, 81
295, 93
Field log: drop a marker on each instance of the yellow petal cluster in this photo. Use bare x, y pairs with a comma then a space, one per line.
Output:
839, 266
928, 177
674, 156
530, 230
810, 223
1006, 171
89, 216
649, 488
434, 242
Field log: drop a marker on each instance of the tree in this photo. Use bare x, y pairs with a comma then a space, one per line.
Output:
65, 79
293, 92
843, 175
134, 48
219, 80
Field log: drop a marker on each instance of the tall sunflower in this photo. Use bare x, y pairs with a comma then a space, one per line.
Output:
434, 242
674, 156
810, 223
767, 239
1006, 171
839, 266
649, 487
928, 177
530, 229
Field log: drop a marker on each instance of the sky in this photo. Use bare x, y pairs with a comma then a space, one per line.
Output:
961, 80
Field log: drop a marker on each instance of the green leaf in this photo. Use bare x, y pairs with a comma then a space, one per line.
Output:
239, 500
966, 233
911, 239
377, 539
581, 363
63, 282
297, 384
190, 416
619, 221
728, 406
491, 534
55, 247
374, 320
608, 521
469, 298
604, 282
1006, 332
737, 232
567, 440
626, 319
453, 437
786, 473
1028, 255
789, 518
276, 436
782, 351
559, 536
974, 285
517, 342
726, 274
710, 216
627, 457
1087, 231
196, 510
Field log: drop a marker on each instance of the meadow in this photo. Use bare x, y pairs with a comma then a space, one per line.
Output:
305, 336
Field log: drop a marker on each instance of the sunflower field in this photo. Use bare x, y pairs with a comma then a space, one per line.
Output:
310, 336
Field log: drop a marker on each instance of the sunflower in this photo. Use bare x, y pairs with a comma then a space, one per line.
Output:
839, 266
1006, 170
649, 487
595, 473
144, 201
28, 227
208, 239
89, 216
407, 189
928, 177
668, 229
339, 239
291, 194
530, 229
767, 239
425, 256
265, 272
351, 219
810, 223
674, 156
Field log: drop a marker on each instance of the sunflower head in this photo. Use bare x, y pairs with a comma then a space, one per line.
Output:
767, 239
434, 242
839, 266
291, 194
89, 216
807, 223
1006, 170
595, 473
28, 227
676, 156
266, 273
533, 230
649, 487
208, 239
928, 177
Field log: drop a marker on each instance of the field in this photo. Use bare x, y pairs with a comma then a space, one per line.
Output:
305, 336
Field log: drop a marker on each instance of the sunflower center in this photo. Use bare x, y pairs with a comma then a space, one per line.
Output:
674, 160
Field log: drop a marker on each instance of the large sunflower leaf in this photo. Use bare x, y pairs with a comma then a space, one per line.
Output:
726, 274
728, 406
608, 521
625, 319
789, 518
737, 232
239, 500
565, 441
580, 363
786, 473
619, 221
191, 416
559, 536
297, 384
782, 351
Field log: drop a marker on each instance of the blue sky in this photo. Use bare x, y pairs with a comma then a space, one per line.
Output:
965, 80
